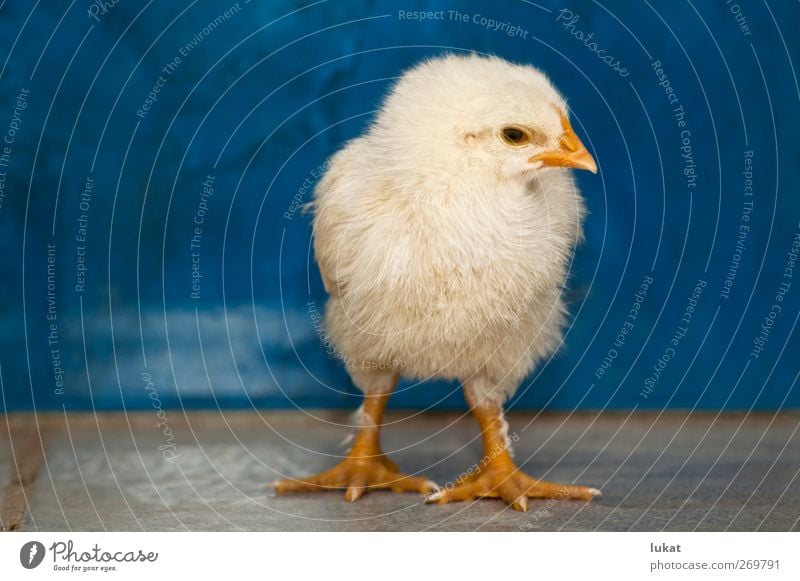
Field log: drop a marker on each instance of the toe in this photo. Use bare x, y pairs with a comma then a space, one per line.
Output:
296, 485
412, 484
336, 477
541, 489
456, 494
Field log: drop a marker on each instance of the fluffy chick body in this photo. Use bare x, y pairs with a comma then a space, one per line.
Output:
437, 264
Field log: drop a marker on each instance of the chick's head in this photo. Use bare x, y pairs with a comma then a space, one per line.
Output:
478, 116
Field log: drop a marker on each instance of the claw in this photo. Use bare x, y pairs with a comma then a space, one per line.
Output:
432, 487
354, 492
435, 496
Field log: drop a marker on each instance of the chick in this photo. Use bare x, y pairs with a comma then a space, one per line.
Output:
443, 236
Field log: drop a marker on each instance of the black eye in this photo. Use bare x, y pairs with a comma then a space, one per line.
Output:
513, 135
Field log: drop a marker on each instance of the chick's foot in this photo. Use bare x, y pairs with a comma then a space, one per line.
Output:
357, 475
506, 481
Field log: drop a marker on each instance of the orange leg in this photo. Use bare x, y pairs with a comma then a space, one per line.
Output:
497, 475
365, 467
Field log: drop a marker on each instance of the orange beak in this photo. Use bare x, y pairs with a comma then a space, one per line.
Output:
572, 152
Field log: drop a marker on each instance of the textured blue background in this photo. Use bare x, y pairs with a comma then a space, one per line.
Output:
260, 103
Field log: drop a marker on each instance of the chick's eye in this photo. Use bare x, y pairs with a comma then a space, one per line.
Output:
513, 135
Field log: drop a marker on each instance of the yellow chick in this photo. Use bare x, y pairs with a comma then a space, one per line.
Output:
443, 236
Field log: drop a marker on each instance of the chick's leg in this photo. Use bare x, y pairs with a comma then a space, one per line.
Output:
496, 475
365, 467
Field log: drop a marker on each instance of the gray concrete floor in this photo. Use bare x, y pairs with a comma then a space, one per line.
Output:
121, 472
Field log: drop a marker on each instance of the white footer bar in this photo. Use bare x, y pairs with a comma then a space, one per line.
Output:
388, 556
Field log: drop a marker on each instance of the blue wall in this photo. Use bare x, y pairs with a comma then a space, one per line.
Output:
260, 99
